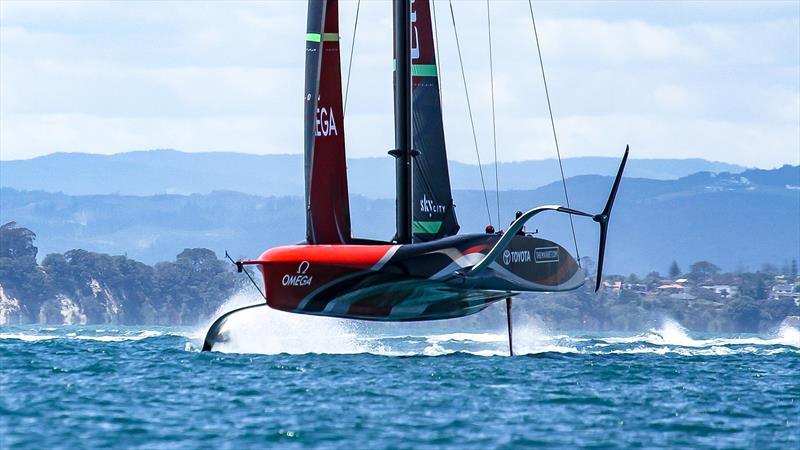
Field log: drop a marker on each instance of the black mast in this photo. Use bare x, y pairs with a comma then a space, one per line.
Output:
402, 117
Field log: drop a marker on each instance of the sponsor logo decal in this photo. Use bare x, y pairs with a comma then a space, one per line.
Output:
300, 278
303, 267
429, 206
523, 256
546, 254
326, 122
296, 280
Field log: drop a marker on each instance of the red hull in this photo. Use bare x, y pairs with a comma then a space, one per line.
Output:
407, 282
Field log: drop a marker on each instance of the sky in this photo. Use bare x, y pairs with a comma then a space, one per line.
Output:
717, 80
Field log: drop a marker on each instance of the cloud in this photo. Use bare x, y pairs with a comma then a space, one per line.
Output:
697, 79
619, 42
674, 98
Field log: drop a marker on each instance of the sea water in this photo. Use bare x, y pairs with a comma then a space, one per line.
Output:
289, 381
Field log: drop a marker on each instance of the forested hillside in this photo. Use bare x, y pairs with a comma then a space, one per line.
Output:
172, 172
739, 221
82, 287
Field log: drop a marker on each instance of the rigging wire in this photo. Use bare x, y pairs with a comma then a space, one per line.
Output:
439, 81
494, 126
350, 62
555, 136
438, 60
469, 110
241, 268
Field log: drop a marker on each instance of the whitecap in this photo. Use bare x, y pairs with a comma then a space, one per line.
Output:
120, 338
463, 337
27, 337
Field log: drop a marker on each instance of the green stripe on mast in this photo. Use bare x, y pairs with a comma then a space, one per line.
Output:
420, 70
423, 70
326, 37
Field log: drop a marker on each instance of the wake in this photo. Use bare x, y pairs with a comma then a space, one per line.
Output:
270, 332
267, 331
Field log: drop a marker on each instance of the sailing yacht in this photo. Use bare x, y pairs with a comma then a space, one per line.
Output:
426, 271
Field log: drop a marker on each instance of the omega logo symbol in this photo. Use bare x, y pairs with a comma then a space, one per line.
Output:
303, 267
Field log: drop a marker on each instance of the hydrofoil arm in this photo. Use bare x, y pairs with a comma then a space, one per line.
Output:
602, 219
213, 335
512, 231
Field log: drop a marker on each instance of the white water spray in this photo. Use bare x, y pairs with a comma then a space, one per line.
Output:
672, 337
788, 335
268, 331
530, 337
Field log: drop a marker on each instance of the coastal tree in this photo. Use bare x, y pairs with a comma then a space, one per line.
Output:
20, 275
17, 242
193, 286
652, 279
770, 269
761, 289
702, 270
744, 313
674, 270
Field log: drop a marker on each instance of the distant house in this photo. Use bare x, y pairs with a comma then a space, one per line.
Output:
670, 288
724, 290
635, 287
682, 280
614, 285
784, 290
682, 296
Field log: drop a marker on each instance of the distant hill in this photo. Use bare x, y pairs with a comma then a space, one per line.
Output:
172, 172
734, 220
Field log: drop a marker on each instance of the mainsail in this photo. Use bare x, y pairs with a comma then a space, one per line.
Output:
327, 203
433, 211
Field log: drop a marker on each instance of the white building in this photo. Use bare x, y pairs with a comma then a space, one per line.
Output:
724, 290
784, 290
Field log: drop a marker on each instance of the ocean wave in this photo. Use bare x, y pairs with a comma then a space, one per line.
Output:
28, 337
266, 331
85, 335
472, 337
671, 333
